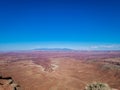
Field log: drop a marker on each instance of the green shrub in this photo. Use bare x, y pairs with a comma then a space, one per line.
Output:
97, 86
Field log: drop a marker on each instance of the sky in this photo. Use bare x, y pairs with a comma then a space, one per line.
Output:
77, 24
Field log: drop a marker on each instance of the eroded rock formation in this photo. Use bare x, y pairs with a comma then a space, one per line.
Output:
7, 83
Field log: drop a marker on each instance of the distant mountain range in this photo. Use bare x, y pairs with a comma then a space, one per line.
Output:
54, 49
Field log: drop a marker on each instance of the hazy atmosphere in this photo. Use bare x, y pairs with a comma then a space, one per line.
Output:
76, 24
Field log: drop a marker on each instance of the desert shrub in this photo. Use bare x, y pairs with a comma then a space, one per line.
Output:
97, 86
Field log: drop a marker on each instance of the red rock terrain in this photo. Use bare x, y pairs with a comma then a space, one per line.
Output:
59, 70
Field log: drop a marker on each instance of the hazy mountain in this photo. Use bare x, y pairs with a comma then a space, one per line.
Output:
54, 49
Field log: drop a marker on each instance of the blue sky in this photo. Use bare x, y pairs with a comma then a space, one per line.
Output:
79, 24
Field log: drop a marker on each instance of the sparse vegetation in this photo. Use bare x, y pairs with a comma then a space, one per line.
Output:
97, 86
111, 67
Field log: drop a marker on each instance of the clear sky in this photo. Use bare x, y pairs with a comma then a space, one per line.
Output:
79, 24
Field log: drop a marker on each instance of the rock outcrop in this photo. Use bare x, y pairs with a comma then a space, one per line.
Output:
7, 83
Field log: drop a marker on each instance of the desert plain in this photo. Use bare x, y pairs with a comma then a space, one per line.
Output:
58, 70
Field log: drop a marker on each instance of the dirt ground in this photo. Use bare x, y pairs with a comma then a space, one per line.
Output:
41, 70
